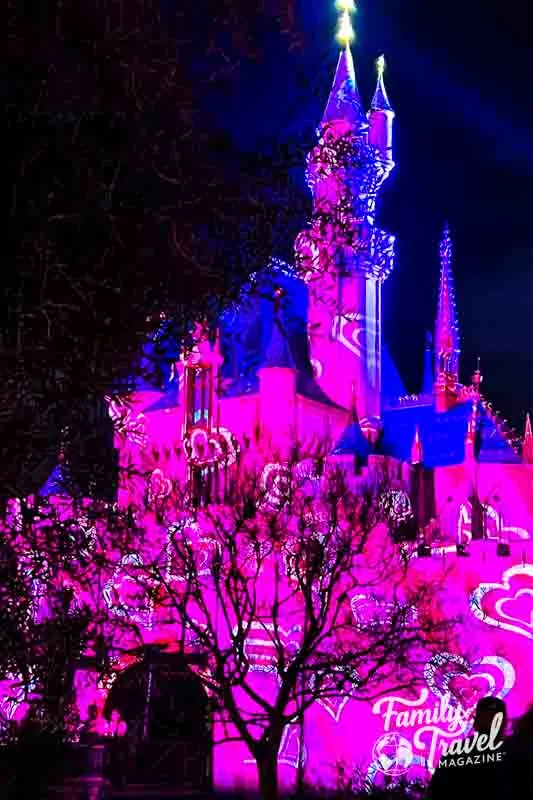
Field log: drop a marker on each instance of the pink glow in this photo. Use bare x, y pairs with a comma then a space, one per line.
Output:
344, 259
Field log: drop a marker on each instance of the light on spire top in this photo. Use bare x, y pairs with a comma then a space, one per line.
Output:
380, 66
345, 33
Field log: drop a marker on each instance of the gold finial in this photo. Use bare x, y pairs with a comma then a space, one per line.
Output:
345, 33
380, 66
346, 5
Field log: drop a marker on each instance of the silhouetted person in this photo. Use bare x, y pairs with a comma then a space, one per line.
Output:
475, 766
519, 759
89, 730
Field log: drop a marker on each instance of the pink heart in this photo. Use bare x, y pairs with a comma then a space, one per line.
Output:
508, 604
447, 673
468, 689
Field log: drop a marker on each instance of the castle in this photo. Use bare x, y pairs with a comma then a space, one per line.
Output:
303, 357
300, 360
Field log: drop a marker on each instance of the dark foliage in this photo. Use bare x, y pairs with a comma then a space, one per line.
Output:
123, 201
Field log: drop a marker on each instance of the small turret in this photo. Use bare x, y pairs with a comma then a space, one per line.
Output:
417, 455
446, 346
471, 434
381, 117
201, 366
527, 446
477, 380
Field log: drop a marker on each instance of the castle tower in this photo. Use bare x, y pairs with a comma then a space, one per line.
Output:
201, 367
344, 257
446, 345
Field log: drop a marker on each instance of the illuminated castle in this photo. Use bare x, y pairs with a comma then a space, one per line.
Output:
311, 363
302, 362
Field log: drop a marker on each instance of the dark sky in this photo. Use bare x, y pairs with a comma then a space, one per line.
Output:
459, 78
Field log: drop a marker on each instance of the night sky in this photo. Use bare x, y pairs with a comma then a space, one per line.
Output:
459, 79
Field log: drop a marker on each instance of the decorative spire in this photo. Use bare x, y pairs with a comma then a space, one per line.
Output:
344, 102
447, 348
527, 446
416, 449
355, 417
427, 382
471, 432
477, 378
380, 101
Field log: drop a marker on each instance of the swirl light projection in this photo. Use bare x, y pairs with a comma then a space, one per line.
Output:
396, 505
126, 593
206, 448
275, 484
159, 486
127, 423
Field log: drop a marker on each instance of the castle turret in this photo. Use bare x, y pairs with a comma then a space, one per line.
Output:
201, 367
446, 345
471, 434
527, 446
277, 392
381, 118
417, 455
343, 255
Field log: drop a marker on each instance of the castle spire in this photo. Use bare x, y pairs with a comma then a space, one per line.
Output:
446, 345
344, 102
380, 101
416, 448
527, 446
381, 119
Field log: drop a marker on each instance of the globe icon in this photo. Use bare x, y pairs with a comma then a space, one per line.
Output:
392, 754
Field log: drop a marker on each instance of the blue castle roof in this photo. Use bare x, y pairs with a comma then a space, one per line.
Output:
443, 435
253, 337
353, 442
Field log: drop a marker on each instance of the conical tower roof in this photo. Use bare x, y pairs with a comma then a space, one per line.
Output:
344, 102
278, 353
380, 101
446, 326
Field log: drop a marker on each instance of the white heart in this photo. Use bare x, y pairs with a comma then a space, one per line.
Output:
500, 604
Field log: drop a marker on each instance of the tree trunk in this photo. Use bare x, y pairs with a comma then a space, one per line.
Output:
267, 768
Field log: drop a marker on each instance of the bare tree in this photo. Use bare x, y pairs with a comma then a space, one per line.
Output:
302, 560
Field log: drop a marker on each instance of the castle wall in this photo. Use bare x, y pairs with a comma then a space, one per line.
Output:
319, 422
506, 489
400, 733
